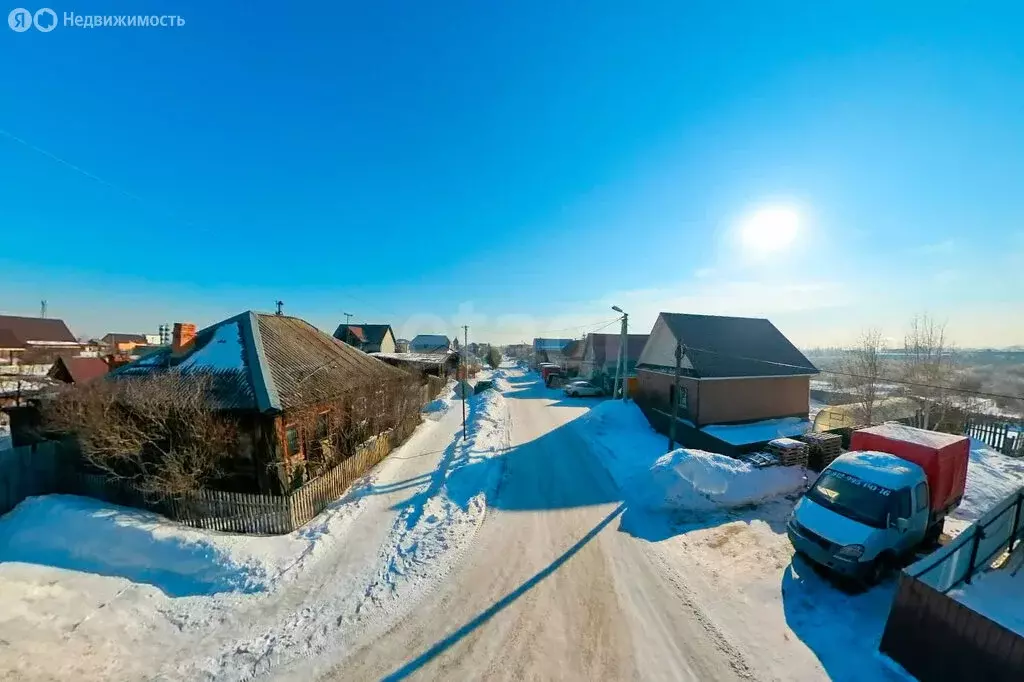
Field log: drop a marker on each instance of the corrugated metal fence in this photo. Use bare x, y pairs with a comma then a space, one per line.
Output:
37, 470
935, 637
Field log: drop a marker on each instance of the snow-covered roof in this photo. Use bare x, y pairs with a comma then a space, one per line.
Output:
881, 468
758, 432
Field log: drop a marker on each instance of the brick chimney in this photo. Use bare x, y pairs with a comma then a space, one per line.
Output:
182, 336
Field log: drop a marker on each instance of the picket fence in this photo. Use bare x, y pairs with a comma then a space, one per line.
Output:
1005, 436
39, 470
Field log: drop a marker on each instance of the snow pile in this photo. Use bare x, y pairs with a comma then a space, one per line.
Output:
689, 479
434, 526
698, 480
437, 408
991, 476
82, 534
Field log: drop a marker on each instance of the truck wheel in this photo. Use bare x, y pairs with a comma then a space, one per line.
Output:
879, 570
931, 537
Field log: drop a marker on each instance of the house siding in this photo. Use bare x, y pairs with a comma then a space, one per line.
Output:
724, 401
387, 344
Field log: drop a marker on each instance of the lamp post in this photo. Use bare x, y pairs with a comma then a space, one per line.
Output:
620, 361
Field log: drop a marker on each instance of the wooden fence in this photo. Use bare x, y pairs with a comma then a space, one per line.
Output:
1005, 436
935, 637
38, 470
26, 471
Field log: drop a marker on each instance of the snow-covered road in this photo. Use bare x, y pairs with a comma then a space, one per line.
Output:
550, 587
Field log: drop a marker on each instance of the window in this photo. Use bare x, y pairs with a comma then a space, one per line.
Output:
293, 443
901, 504
683, 397
921, 494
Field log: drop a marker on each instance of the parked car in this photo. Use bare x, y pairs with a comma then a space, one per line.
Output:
878, 503
483, 385
579, 387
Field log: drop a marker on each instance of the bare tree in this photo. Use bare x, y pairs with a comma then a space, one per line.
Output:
861, 374
929, 366
159, 431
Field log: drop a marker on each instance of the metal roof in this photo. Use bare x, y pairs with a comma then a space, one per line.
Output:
268, 363
39, 329
720, 346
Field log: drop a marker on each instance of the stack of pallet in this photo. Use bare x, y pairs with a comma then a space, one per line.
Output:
822, 448
790, 452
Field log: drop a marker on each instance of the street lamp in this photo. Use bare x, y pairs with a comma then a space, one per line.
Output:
620, 364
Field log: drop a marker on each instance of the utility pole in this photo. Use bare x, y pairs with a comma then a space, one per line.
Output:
680, 349
465, 377
622, 352
280, 304
42, 309
618, 357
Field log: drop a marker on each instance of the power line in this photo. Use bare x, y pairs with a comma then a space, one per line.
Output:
902, 382
606, 323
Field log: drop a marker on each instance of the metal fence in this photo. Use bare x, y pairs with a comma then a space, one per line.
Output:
935, 637
39, 470
975, 548
1005, 436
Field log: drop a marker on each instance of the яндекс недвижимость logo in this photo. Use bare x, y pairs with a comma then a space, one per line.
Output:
21, 20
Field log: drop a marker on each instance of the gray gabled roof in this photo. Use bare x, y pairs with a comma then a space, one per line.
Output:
723, 347
427, 343
268, 363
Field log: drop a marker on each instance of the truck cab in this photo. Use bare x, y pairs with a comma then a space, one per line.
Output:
865, 510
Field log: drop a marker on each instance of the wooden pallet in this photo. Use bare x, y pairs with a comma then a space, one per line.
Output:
823, 448
789, 451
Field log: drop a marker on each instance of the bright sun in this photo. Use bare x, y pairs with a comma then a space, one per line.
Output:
770, 229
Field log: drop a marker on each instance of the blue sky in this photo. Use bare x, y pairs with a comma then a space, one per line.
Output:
518, 167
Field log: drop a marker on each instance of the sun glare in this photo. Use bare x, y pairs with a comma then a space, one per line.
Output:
770, 229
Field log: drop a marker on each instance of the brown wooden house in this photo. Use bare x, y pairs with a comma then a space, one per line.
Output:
279, 376
735, 370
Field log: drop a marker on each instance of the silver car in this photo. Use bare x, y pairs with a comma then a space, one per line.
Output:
580, 387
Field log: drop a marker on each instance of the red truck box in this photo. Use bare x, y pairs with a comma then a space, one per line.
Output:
943, 457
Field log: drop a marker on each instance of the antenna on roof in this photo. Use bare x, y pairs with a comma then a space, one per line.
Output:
348, 316
42, 309
280, 304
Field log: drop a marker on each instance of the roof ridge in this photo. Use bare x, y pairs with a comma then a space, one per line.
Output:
264, 387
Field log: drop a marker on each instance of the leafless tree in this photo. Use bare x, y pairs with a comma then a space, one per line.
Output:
159, 432
861, 373
930, 368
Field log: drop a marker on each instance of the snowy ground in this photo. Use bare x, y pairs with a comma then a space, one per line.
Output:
124, 594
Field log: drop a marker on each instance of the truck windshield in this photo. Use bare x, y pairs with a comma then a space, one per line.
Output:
852, 497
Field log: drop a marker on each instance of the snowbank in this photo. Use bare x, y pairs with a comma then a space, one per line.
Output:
437, 408
698, 480
689, 479
82, 534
